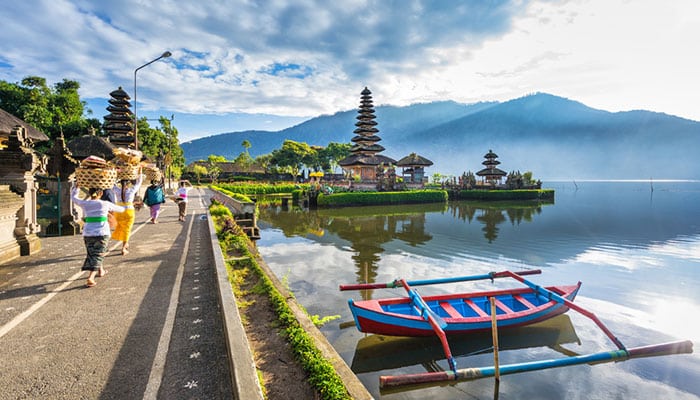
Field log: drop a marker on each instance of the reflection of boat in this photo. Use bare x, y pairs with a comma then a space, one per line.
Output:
458, 313
378, 352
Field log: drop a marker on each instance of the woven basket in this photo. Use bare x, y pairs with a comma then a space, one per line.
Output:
97, 178
127, 172
152, 174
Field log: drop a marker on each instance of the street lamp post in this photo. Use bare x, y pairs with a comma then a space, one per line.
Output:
168, 158
136, 120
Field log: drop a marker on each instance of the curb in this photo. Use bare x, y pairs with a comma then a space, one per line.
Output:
244, 375
243, 371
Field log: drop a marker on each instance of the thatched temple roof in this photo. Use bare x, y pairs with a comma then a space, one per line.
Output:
8, 122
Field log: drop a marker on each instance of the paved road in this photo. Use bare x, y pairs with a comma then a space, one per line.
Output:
150, 329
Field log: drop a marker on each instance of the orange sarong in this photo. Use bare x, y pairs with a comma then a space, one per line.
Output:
125, 220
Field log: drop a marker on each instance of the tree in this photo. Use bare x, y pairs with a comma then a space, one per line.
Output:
246, 145
243, 161
54, 111
162, 141
213, 168
292, 156
199, 170
331, 154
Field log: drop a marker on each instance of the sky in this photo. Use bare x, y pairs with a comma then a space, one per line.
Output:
243, 64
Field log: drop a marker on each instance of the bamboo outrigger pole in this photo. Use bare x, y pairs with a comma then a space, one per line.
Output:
681, 347
397, 283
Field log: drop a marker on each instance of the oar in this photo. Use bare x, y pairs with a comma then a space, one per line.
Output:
397, 283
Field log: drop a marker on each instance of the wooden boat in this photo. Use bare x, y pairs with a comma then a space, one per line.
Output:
462, 313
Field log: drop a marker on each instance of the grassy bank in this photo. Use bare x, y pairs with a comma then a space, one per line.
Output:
243, 265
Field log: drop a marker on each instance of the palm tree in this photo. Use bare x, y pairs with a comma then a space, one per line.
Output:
246, 145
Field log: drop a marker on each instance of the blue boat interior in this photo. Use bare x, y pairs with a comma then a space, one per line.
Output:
471, 307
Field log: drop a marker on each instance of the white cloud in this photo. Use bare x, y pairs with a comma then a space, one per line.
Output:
612, 54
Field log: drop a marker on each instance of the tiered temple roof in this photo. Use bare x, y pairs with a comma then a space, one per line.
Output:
119, 124
491, 173
365, 151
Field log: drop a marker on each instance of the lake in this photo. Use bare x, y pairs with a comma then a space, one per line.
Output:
634, 245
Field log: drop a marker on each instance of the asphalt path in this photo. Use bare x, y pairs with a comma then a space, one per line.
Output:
150, 329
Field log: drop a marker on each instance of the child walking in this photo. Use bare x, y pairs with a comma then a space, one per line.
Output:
95, 231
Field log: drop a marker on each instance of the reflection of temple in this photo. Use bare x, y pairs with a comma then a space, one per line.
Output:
365, 232
491, 215
19, 162
491, 218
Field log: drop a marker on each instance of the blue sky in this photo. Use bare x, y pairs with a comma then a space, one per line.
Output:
239, 65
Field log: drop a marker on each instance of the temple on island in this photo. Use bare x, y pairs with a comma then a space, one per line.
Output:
491, 175
365, 166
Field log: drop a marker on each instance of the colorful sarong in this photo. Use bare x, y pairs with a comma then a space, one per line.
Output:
125, 220
155, 210
96, 247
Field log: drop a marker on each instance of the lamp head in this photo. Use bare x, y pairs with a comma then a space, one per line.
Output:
166, 54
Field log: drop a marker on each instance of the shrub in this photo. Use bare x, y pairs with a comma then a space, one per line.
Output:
381, 198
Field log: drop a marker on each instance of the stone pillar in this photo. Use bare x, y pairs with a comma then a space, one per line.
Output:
18, 164
61, 166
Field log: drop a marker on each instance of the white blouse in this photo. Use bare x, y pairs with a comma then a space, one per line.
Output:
96, 209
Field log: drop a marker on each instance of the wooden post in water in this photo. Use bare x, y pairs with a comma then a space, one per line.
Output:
494, 334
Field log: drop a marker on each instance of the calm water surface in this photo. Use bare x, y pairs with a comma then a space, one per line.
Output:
634, 245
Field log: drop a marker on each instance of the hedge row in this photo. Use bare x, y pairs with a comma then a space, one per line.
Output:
520, 194
260, 188
234, 195
381, 198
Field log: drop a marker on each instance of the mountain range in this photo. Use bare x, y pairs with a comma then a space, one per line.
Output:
553, 137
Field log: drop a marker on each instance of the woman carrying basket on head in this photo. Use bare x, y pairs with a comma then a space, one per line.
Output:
95, 231
124, 191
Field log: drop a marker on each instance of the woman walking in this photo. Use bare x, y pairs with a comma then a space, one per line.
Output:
181, 198
153, 198
124, 192
95, 231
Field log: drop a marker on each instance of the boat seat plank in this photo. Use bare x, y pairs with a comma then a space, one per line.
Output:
476, 308
524, 301
502, 306
449, 309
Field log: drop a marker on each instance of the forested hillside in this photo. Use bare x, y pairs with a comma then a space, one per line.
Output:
551, 136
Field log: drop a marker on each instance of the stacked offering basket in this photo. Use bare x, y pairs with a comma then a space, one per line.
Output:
152, 174
127, 172
98, 178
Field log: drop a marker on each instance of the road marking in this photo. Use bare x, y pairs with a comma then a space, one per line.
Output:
158, 367
36, 306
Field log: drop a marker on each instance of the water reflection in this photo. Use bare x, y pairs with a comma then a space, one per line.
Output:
368, 230
377, 352
638, 258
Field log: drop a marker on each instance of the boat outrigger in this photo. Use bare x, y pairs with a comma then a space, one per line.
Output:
444, 315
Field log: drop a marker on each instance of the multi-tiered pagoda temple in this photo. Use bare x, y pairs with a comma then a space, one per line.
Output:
119, 123
364, 155
491, 175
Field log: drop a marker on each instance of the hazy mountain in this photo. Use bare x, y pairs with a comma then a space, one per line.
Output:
553, 137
